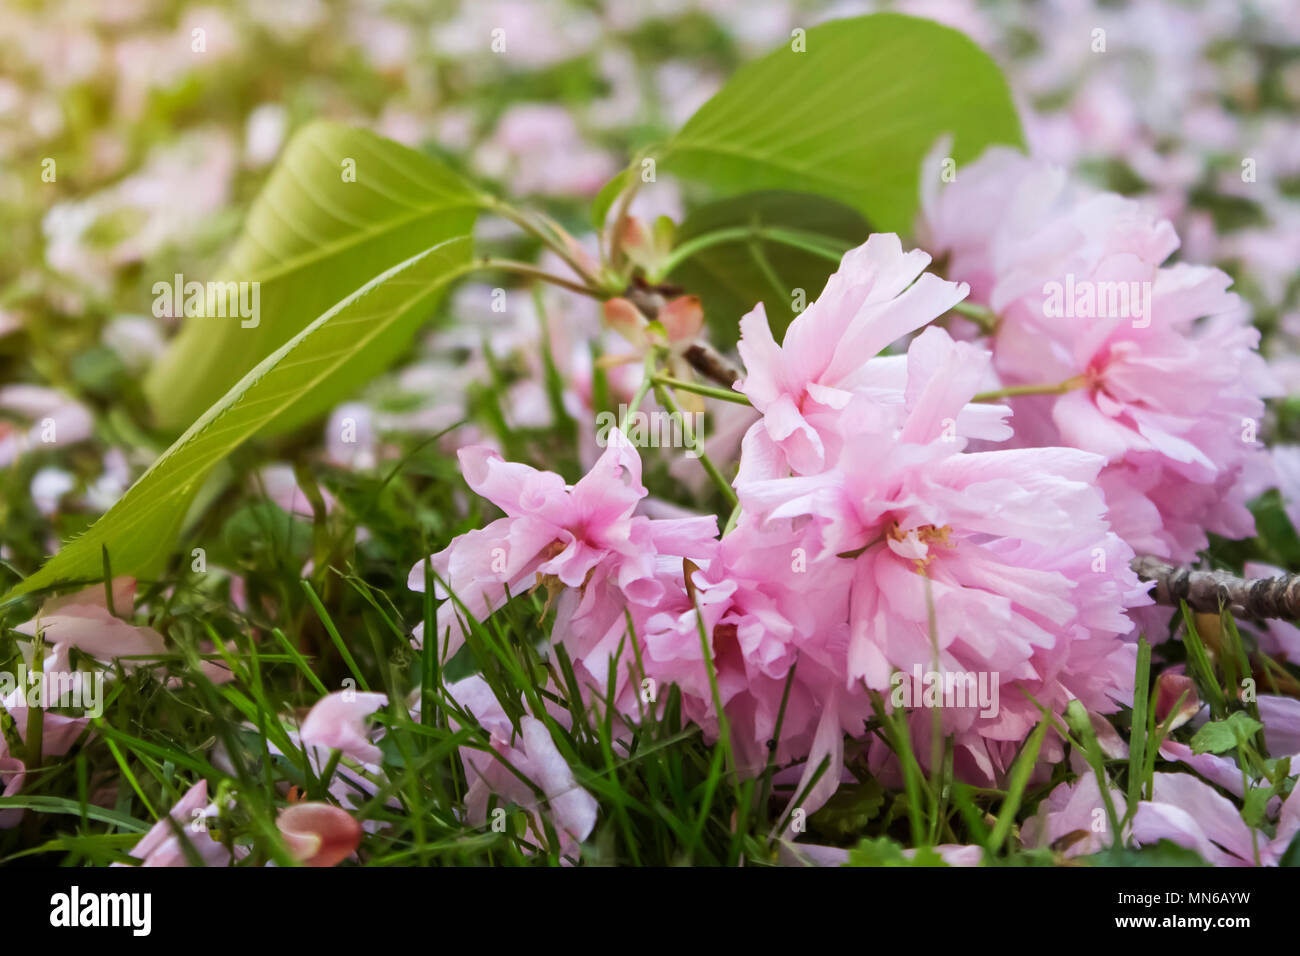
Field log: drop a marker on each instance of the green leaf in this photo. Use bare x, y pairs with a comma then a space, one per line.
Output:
41, 804
1164, 853
1278, 769
732, 277
1275, 530
882, 851
1019, 780
1219, 736
1199, 663
849, 810
1292, 855
1255, 804
1138, 736
310, 239
263, 528
851, 117
140, 529
608, 193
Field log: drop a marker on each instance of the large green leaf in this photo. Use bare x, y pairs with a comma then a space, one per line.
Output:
732, 277
851, 117
609, 192
312, 237
139, 531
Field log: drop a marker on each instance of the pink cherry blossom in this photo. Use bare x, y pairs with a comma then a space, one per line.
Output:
592, 621
1183, 809
532, 752
83, 620
763, 616
1281, 718
551, 532
1157, 366
1073, 818
80, 620
1009, 551
877, 296
63, 685
1194, 815
1173, 686
1218, 770
319, 834
338, 722
161, 846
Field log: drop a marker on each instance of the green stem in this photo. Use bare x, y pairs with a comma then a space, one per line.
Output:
36, 715
708, 391
1012, 391
666, 399
732, 519
981, 316
547, 231
1019, 780
614, 238
108, 582
647, 381
936, 723
532, 272
808, 242
1254, 833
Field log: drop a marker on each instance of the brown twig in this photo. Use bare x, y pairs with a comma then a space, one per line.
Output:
704, 358
708, 361
1211, 591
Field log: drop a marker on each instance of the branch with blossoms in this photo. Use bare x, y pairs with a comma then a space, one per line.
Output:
865, 506
1206, 591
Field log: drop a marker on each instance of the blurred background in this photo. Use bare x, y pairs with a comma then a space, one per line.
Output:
134, 134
